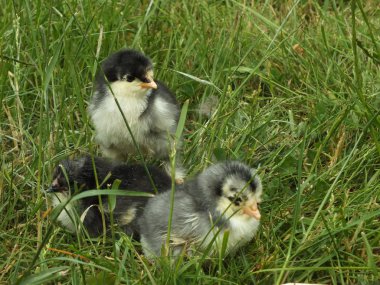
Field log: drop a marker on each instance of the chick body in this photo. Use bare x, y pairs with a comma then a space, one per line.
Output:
80, 172
224, 198
148, 106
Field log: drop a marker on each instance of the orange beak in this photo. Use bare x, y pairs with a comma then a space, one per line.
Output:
151, 84
252, 211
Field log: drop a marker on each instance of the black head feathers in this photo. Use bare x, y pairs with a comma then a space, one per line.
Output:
125, 64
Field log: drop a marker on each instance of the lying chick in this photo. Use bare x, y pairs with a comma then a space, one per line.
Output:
224, 198
149, 107
78, 174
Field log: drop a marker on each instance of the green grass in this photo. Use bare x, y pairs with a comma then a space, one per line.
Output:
307, 116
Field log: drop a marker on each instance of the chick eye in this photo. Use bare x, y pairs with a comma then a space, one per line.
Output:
128, 77
235, 200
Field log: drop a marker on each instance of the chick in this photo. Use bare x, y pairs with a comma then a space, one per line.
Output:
224, 198
149, 107
79, 175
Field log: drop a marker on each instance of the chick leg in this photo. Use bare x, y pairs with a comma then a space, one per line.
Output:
179, 172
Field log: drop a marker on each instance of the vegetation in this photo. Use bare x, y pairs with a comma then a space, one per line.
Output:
298, 87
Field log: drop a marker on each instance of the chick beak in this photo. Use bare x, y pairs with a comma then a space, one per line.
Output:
151, 84
55, 187
252, 211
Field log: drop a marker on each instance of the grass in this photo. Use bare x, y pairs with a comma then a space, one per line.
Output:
299, 97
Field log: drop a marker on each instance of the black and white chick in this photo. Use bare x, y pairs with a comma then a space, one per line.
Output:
224, 198
79, 175
149, 107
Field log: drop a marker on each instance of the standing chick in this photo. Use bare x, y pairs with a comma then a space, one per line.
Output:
224, 198
149, 107
79, 174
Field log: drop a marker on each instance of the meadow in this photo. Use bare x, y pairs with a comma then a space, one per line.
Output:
298, 91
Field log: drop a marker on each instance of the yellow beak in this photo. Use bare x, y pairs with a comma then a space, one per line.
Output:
150, 84
253, 211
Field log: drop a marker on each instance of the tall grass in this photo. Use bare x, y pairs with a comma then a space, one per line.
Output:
299, 95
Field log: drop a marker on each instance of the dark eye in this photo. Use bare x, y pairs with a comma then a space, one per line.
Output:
129, 77
235, 200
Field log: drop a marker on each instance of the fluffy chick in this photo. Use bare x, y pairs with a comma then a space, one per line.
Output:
223, 198
149, 107
79, 174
